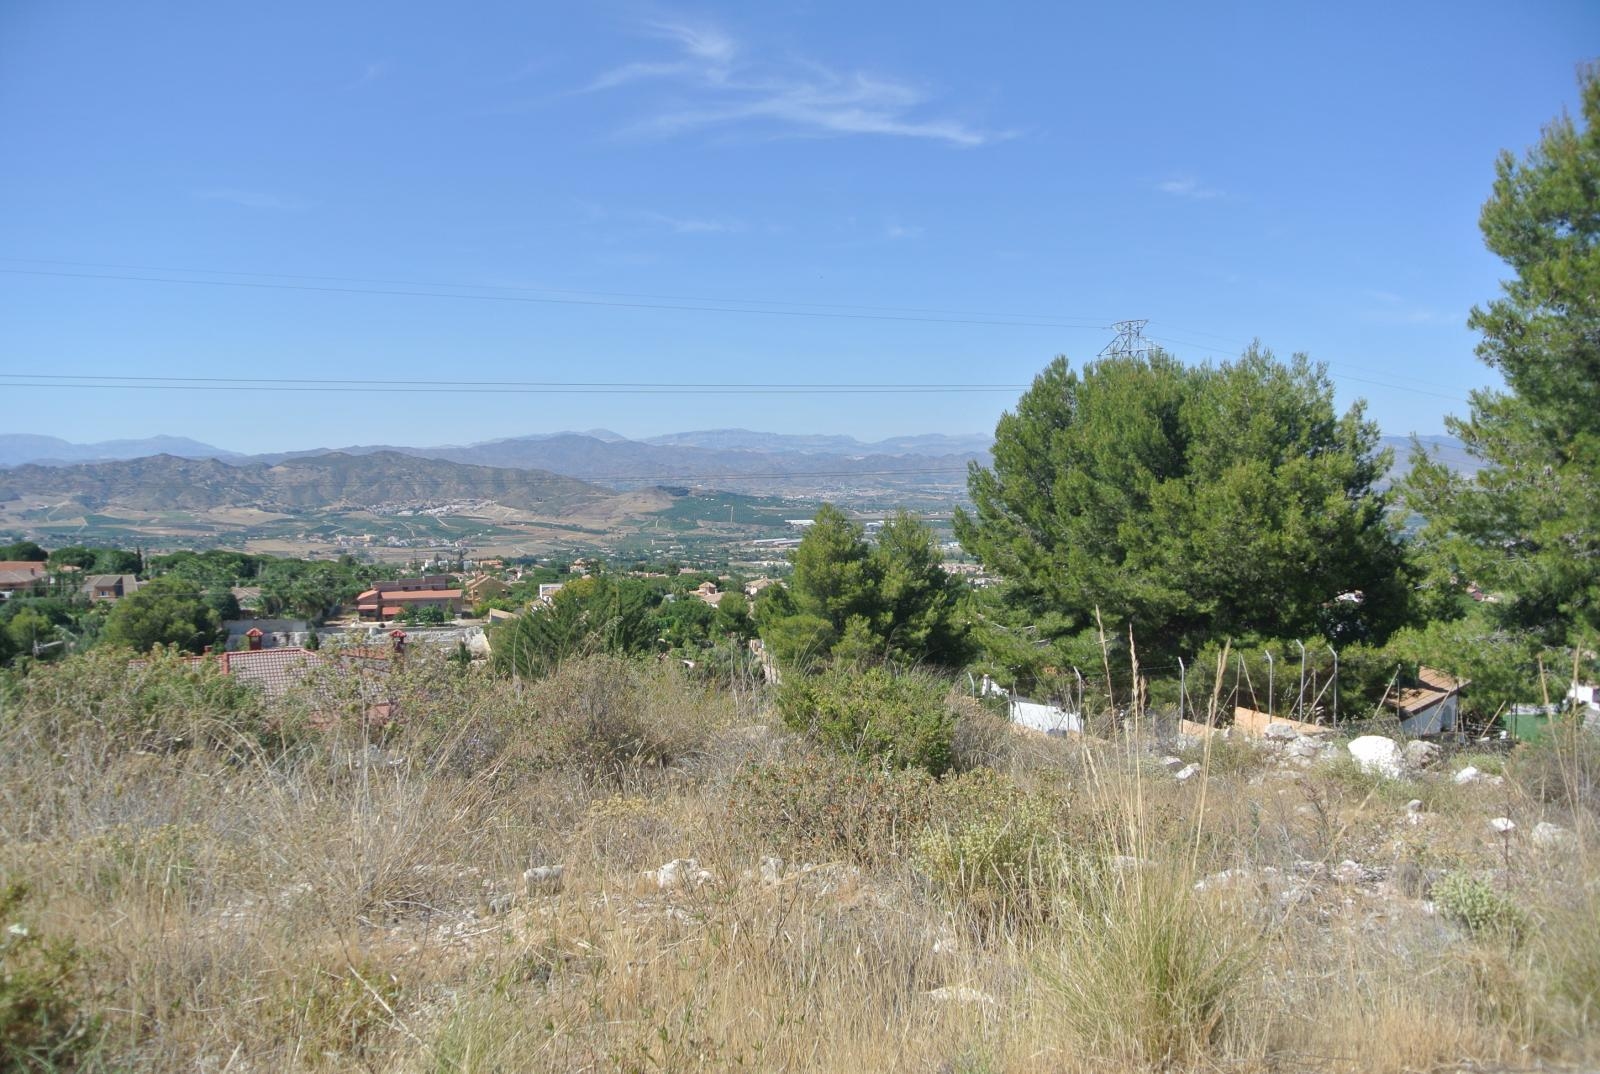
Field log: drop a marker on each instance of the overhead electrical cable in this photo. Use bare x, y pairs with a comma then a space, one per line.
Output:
1054, 319
538, 300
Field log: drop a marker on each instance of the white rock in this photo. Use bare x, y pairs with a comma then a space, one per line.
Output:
1550, 836
1414, 806
543, 877
1280, 732
1377, 755
1305, 748
1172, 764
771, 869
1468, 774
1420, 754
1186, 773
1226, 878
680, 872
1503, 825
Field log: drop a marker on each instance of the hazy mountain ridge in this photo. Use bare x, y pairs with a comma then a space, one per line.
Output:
628, 464
735, 460
20, 448
331, 480
819, 443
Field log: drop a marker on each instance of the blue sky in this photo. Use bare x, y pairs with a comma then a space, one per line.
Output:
795, 193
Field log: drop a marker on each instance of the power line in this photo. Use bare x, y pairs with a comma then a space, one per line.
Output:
1339, 367
180, 384
536, 300
1053, 318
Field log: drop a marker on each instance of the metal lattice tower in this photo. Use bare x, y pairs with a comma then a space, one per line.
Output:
1130, 341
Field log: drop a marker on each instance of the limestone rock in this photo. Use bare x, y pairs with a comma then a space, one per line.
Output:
1420, 755
543, 877
1503, 825
1186, 773
678, 873
1378, 755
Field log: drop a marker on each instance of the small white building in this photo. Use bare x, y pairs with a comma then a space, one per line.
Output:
1035, 715
1432, 706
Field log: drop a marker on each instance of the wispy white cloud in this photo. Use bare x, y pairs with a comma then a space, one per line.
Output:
250, 199
371, 71
719, 84
1187, 186
894, 229
655, 220
692, 225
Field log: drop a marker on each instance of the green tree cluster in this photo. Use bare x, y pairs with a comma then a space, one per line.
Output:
852, 601
597, 614
97, 560
23, 552
1187, 503
167, 611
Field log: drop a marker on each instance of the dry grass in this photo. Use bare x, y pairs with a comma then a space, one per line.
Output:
335, 901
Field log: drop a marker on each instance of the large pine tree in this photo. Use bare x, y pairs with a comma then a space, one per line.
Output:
1527, 526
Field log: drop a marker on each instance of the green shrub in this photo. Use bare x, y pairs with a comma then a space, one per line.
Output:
44, 1023
898, 719
1475, 904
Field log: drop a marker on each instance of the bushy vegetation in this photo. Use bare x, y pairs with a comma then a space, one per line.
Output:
1476, 904
898, 719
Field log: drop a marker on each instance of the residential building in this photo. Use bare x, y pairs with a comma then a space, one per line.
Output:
482, 587
388, 599
21, 576
109, 586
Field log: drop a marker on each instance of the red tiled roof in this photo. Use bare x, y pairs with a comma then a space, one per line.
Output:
274, 670
1434, 686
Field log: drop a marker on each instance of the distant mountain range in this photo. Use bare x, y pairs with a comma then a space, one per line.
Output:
735, 460
19, 448
332, 481
746, 440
